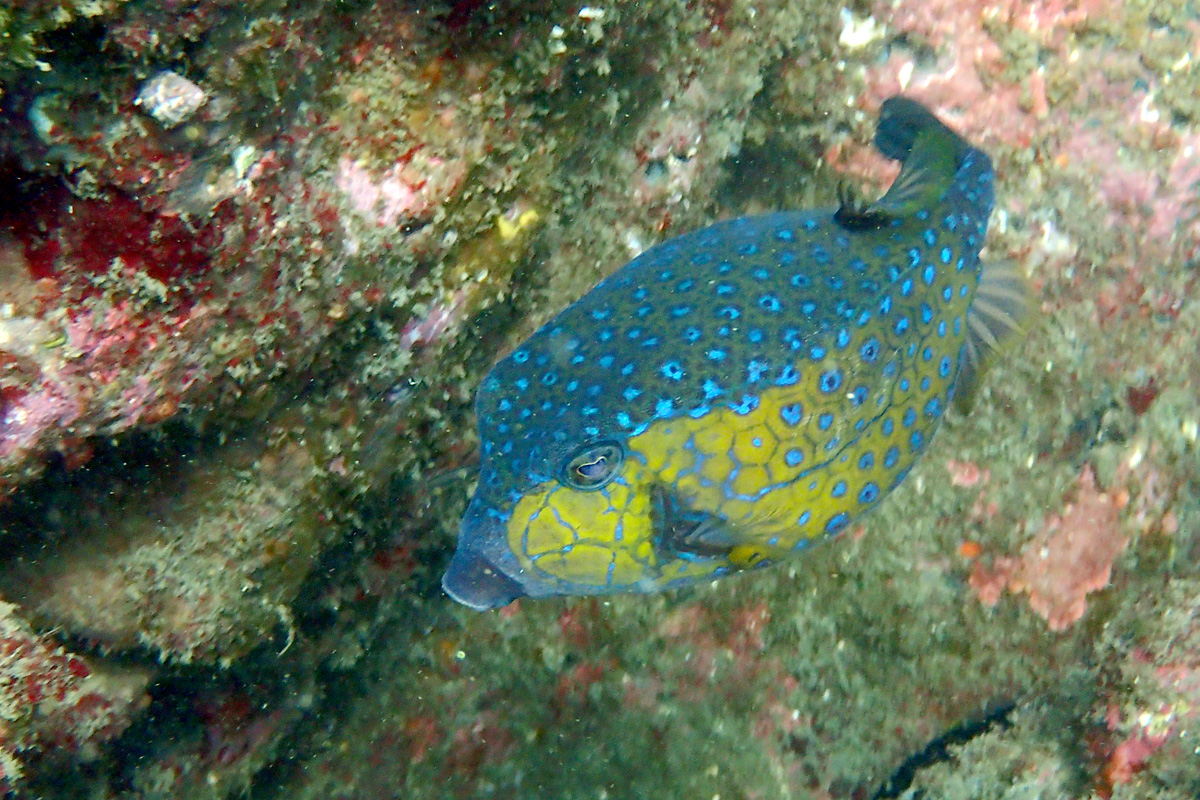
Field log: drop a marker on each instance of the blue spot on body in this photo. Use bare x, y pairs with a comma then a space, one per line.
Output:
831, 380
791, 414
836, 523
891, 456
748, 403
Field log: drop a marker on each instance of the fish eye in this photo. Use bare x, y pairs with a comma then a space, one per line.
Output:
592, 466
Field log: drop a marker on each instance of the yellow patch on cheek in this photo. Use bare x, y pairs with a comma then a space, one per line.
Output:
595, 538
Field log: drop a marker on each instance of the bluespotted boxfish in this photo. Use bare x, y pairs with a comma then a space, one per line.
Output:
734, 394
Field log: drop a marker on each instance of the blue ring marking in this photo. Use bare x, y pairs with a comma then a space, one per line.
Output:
830, 381
838, 490
792, 414
866, 460
824, 421
794, 457
869, 493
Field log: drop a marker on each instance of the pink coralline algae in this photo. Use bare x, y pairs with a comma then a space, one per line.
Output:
408, 190
1069, 559
969, 78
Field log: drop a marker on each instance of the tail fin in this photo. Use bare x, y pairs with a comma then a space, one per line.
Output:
930, 152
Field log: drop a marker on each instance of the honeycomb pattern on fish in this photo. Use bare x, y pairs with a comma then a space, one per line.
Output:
736, 392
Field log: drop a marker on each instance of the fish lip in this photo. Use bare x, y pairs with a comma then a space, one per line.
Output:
474, 581
478, 575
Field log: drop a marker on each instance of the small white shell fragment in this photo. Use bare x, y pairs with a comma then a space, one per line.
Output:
170, 98
858, 32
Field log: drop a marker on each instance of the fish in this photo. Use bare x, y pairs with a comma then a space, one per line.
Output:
739, 392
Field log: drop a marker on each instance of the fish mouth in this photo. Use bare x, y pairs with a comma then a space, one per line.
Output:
474, 577
474, 581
